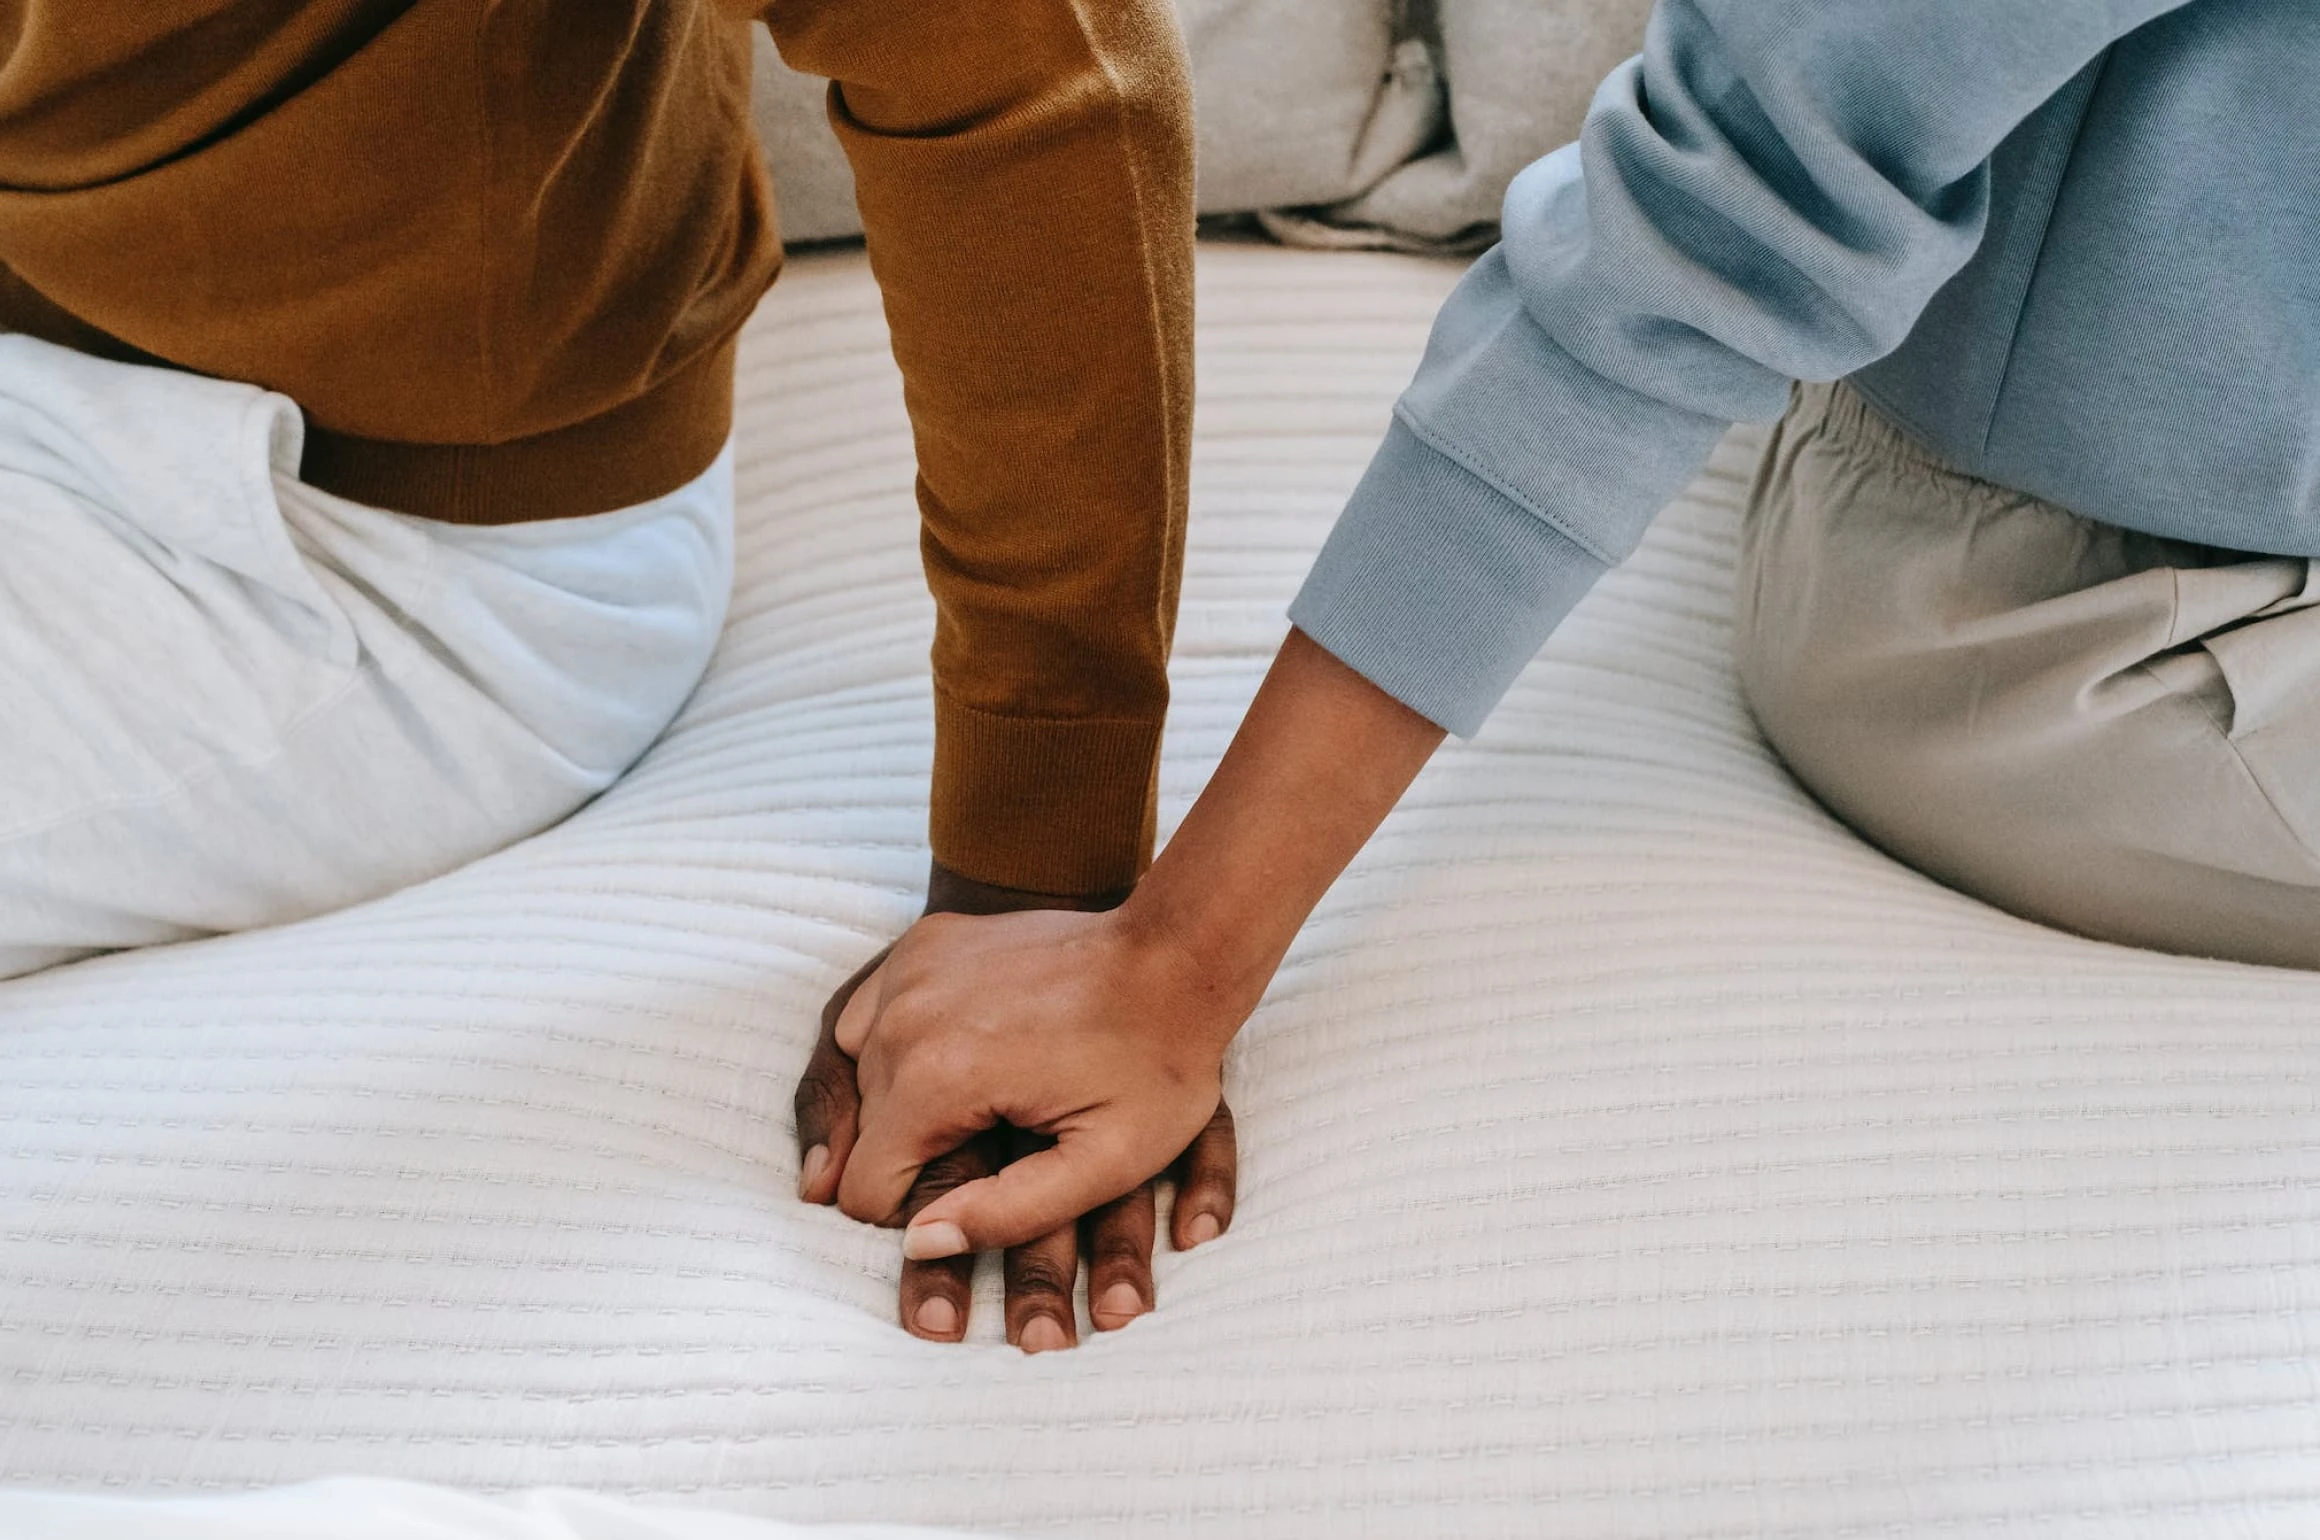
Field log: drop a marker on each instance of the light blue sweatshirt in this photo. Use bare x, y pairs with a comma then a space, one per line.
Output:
2071, 245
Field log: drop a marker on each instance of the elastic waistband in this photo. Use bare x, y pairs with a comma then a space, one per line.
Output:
1846, 413
638, 451
642, 449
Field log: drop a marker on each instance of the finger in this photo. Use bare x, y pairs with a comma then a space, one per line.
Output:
828, 1104
936, 1296
1119, 1246
1043, 1191
849, 1019
1207, 1184
899, 1135
1040, 1278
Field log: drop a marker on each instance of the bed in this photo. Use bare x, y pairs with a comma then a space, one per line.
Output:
1628, 1150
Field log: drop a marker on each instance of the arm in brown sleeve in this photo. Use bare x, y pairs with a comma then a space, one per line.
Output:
1024, 171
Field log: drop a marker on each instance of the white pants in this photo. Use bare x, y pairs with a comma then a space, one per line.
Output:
228, 699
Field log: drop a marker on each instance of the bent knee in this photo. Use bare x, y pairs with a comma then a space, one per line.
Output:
2142, 828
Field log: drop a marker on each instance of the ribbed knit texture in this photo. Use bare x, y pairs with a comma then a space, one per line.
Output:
1441, 612
445, 224
1052, 806
616, 460
1024, 172
498, 253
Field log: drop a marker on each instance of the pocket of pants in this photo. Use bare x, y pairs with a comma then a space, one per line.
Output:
2271, 657
2271, 665
156, 620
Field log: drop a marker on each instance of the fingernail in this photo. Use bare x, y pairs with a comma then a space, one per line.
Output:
1203, 1229
817, 1161
1121, 1302
1042, 1334
938, 1318
933, 1242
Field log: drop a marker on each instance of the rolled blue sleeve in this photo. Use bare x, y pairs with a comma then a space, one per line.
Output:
1773, 190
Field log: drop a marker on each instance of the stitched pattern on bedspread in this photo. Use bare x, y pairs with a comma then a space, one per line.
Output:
1780, 1192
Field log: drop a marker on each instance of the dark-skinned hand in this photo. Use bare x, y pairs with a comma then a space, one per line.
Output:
1117, 1240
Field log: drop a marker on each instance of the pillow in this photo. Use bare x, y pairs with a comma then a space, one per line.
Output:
1520, 75
1391, 117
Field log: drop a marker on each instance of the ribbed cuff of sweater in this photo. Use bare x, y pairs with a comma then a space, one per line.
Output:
1437, 587
1062, 806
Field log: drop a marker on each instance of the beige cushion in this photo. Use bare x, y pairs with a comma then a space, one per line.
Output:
1301, 103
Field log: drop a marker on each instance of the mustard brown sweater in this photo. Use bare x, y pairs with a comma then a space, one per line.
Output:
498, 251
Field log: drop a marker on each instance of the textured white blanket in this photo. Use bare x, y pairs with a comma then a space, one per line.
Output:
366, 1508
1629, 1151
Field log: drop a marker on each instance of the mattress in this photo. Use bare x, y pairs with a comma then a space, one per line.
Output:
369, 1508
1628, 1150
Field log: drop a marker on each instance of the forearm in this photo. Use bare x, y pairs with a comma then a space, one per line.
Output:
1024, 172
1321, 758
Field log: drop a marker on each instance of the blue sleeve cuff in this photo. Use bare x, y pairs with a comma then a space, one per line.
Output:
1437, 587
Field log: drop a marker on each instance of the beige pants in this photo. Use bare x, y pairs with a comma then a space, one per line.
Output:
2106, 731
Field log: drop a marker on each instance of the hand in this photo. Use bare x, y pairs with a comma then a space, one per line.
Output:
1087, 1028
1118, 1238
1105, 1031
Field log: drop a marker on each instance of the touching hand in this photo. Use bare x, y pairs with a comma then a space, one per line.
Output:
1102, 1031
1117, 1239
1089, 1029
1105, 1030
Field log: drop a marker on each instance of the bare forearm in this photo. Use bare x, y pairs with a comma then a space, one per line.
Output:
1319, 761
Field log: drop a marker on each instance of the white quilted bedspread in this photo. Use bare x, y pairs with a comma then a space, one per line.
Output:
1628, 1150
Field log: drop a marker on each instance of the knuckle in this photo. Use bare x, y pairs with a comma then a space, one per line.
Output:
843, 995
859, 1197
821, 1098
947, 1058
835, 1005
1039, 1273
1115, 1248
949, 1278
1123, 1230
1209, 1182
948, 1173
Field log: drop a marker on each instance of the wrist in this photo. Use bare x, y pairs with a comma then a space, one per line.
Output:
1223, 956
953, 892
